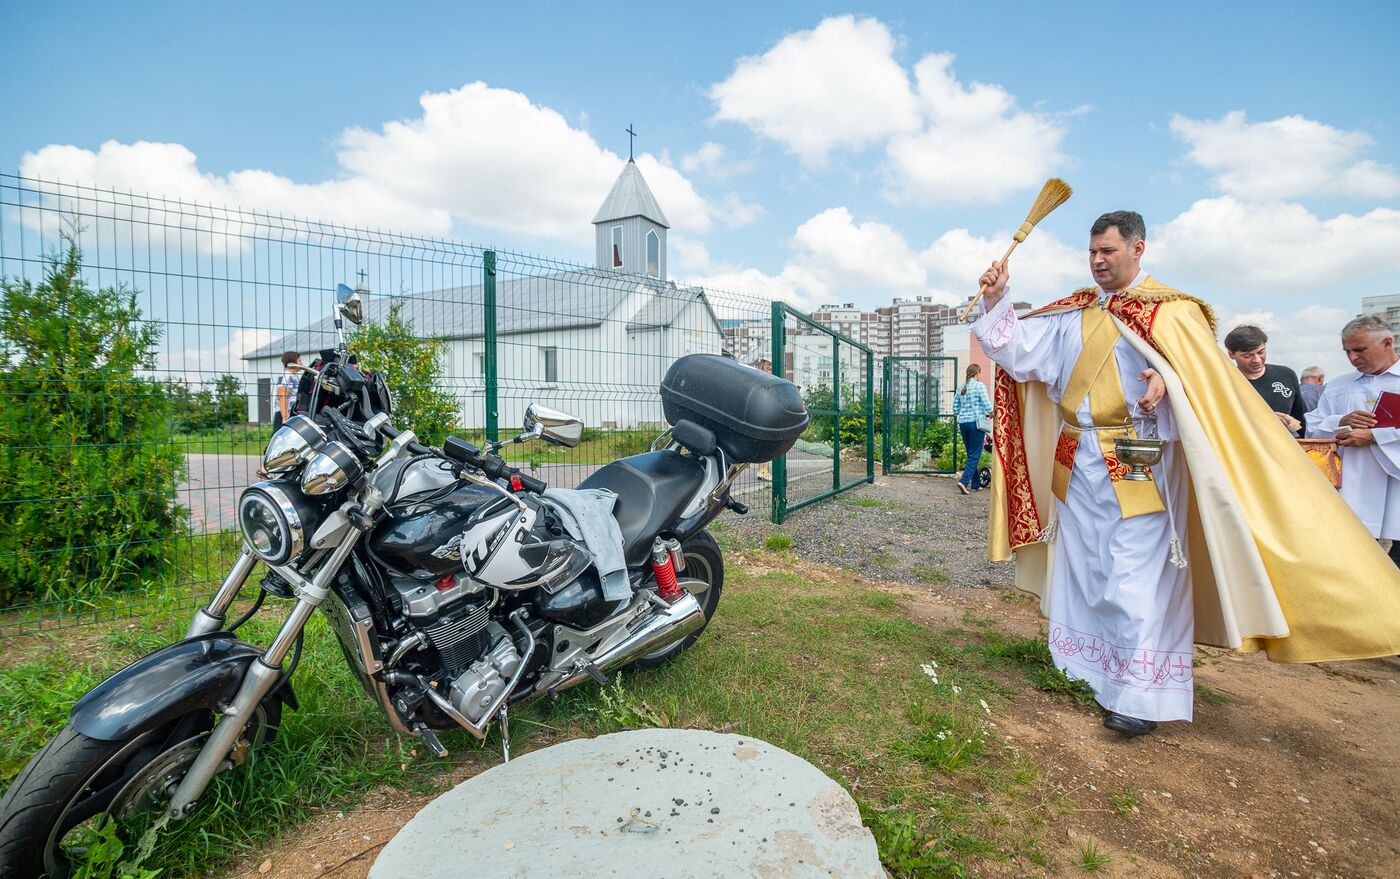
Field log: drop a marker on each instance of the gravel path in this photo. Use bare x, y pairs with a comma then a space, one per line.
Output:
908, 529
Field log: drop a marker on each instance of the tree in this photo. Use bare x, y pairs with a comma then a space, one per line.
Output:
87, 473
230, 403
413, 368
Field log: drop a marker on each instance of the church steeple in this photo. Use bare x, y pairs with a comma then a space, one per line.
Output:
631, 228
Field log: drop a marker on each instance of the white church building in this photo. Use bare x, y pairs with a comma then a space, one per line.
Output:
594, 342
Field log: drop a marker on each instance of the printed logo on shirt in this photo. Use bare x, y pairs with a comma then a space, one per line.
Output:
1283, 390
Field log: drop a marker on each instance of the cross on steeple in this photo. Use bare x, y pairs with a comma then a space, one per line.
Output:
631, 136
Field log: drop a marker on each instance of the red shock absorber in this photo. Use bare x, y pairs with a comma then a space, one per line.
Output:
666, 586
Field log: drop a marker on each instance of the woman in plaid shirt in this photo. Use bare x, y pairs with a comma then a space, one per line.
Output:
969, 406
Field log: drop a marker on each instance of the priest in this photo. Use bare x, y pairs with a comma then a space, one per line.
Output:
1219, 546
1345, 411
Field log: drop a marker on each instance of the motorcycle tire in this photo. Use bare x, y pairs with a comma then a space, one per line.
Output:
74, 780
704, 563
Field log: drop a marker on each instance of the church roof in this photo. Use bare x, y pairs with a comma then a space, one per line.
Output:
630, 197
525, 304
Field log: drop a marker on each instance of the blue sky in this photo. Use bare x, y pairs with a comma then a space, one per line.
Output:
818, 152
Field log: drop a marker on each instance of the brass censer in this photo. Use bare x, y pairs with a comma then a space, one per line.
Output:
1139, 452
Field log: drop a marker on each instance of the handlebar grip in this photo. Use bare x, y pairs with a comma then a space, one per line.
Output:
531, 484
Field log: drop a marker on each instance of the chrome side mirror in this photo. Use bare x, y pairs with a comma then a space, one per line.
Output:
349, 304
553, 426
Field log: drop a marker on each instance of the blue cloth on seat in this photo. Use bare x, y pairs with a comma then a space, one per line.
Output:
588, 517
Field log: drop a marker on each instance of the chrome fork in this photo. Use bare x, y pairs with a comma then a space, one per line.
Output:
263, 673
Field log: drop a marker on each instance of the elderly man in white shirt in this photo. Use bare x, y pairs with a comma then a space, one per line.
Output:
1370, 454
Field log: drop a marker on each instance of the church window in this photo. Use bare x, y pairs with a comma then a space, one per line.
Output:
617, 247
653, 254
551, 365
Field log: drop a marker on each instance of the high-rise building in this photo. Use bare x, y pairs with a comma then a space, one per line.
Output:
1385, 307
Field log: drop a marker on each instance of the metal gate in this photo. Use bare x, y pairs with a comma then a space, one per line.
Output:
836, 375
919, 433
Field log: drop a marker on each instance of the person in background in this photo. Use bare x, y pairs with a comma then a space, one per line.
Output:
970, 406
1370, 454
286, 388
1278, 385
1312, 381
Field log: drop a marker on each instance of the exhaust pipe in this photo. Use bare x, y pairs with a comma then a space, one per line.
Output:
662, 629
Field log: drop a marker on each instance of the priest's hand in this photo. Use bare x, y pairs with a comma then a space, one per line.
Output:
1156, 390
994, 279
1359, 418
1357, 436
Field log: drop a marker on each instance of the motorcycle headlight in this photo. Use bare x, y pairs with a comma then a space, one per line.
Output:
273, 522
331, 469
292, 445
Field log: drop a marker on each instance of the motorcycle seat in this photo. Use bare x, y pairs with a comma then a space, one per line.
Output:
652, 489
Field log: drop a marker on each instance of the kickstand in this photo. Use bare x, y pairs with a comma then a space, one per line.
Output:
504, 717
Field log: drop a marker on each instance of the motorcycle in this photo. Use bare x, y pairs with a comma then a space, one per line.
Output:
457, 586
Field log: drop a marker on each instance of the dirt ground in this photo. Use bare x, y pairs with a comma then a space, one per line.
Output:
1294, 773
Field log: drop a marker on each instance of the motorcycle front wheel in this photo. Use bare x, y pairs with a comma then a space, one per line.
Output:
54, 808
703, 578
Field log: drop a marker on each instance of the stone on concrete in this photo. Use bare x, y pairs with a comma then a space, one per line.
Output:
646, 803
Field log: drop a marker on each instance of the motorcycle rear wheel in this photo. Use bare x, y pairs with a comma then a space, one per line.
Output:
703, 578
74, 783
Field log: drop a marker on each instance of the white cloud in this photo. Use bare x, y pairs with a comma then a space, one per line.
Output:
836, 258
975, 145
1043, 268
171, 170
1307, 337
859, 256
1288, 157
839, 86
835, 86
527, 172
1277, 246
712, 159
794, 285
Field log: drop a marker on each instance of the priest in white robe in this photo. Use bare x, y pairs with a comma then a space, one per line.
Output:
1120, 614
1370, 455
1214, 546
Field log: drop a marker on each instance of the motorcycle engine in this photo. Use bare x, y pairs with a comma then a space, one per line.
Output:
477, 656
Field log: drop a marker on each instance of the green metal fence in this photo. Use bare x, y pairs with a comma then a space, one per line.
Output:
919, 433
837, 378
140, 382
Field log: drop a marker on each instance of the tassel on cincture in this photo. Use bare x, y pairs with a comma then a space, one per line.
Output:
1175, 553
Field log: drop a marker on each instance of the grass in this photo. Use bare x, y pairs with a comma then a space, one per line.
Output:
872, 503
1209, 696
235, 439
1091, 860
1032, 657
1124, 802
836, 673
777, 542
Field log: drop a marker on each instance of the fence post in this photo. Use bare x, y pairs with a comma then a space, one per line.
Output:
886, 420
488, 317
779, 468
836, 405
870, 416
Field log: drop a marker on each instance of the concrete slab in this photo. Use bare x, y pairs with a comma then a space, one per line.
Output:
648, 803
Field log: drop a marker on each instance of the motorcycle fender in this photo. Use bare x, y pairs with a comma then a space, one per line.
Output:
197, 673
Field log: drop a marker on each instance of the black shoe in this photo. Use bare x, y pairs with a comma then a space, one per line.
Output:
1129, 726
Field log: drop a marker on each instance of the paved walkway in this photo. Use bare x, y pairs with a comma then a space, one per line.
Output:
672, 803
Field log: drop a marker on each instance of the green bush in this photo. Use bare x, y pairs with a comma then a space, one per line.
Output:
87, 475
413, 367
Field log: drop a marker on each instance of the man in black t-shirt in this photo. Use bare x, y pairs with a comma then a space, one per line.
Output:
1278, 385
